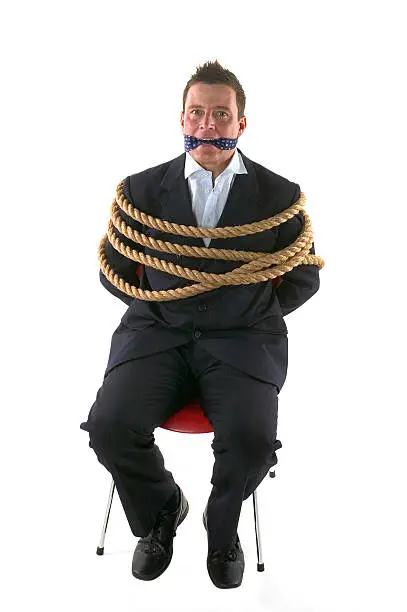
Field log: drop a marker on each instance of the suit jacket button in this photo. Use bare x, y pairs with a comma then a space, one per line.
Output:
197, 333
202, 307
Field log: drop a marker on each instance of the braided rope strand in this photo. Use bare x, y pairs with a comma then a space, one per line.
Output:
256, 269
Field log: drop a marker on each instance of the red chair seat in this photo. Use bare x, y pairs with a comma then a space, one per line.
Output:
190, 419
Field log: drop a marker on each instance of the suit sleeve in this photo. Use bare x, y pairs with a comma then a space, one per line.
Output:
125, 267
298, 285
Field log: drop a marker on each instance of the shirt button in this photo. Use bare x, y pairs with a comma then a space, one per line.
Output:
202, 307
197, 333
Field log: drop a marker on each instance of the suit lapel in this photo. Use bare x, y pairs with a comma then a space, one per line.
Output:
174, 196
242, 205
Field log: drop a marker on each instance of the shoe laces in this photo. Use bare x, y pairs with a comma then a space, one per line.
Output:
151, 543
151, 547
224, 557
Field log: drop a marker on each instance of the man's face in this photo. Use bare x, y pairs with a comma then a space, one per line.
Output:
211, 112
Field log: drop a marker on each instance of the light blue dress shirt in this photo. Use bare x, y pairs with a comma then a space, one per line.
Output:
208, 202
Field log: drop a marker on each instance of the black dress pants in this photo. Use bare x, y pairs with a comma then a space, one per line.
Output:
139, 395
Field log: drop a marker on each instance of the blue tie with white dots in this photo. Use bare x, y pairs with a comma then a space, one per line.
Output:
190, 142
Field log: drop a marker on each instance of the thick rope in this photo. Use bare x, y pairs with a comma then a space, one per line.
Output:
257, 269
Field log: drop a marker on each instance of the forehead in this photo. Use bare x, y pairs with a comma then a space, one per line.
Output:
211, 95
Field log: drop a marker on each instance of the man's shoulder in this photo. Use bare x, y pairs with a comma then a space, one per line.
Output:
278, 186
269, 176
159, 170
154, 172
144, 185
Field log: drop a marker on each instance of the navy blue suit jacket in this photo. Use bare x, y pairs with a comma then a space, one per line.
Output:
242, 325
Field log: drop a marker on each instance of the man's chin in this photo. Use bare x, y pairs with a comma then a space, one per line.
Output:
207, 148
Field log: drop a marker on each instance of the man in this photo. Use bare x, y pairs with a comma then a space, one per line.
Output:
228, 345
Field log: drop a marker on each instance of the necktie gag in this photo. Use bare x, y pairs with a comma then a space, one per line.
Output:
191, 142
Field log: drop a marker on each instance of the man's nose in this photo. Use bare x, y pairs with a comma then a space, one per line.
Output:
207, 121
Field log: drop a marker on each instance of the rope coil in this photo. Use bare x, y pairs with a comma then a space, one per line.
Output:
256, 269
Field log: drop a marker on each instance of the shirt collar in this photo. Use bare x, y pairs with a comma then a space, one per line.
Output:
235, 166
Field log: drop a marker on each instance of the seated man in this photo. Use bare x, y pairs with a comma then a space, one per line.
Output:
228, 345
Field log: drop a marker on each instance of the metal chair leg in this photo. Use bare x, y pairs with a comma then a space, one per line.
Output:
260, 563
101, 548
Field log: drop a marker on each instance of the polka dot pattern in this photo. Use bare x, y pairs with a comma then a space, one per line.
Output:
190, 142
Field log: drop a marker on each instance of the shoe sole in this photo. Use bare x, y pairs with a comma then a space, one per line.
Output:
162, 570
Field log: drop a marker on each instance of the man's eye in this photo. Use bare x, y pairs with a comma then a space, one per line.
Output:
197, 110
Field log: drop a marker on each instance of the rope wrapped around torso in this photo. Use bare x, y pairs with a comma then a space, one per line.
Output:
256, 267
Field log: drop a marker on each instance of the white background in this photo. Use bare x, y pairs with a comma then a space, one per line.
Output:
92, 92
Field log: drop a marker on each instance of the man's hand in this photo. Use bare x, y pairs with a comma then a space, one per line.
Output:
276, 282
294, 288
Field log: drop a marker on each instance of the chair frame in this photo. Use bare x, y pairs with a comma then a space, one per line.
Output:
260, 563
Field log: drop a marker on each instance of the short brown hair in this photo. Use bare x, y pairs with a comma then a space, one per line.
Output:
213, 73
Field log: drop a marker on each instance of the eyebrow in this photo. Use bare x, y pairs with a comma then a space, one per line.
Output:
200, 106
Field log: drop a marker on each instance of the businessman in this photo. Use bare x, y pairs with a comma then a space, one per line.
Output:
228, 346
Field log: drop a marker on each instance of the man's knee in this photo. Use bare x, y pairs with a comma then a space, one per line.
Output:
251, 443
109, 432
256, 444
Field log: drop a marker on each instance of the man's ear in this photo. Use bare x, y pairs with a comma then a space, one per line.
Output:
242, 125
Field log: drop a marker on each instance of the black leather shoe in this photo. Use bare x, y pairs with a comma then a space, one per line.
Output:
153, 553
225, 569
